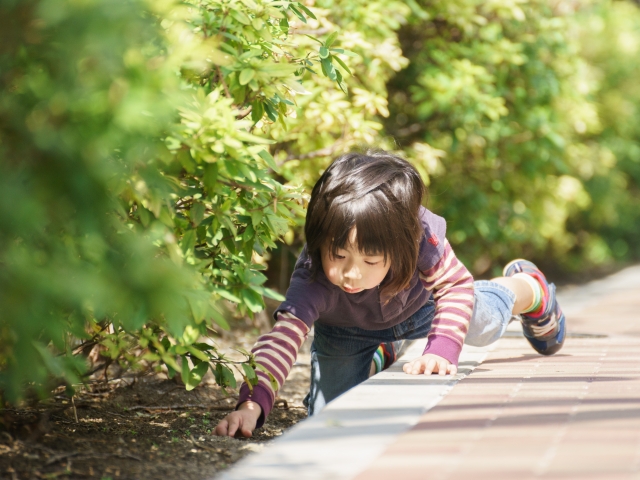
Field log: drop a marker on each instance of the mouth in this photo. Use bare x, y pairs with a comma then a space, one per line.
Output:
351, 290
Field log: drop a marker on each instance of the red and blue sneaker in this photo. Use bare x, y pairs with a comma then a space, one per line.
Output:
544, 328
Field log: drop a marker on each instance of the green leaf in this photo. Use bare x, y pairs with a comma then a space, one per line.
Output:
170, 362
340, 81
306, 10
228, 379
324, 52
341, 63
197, 213
246, 76
257, 23
219, 319
272, 379
266, 156
273, 294
257, 111
331, 39
210, 178
297, 13
328, 69
314, 39
253, 300
203, 347
271, 112
284, 25
195, 376
188, 241
240, 17
278, 69
196, 352
341, 51
250, 373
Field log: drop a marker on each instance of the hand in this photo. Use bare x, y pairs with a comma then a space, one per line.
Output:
241, 422
428, 364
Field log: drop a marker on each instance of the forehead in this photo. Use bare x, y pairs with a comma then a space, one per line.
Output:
352, 246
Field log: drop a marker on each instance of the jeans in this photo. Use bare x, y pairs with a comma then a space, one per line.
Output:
341, 356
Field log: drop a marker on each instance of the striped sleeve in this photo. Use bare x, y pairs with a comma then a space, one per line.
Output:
452, 287
276, 351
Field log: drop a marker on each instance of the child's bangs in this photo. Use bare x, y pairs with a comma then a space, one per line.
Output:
371, 221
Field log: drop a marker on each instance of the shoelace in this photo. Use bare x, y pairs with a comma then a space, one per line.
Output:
542, 330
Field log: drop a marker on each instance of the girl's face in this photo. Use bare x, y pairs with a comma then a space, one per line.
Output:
351, 270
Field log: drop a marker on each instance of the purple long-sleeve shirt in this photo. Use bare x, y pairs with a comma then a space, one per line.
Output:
439, 273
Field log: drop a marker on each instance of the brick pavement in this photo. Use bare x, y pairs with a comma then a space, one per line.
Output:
574, 415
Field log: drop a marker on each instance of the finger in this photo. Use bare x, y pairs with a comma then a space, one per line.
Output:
234, 424
453, 369
442, 368
407, 367
221, 429
430, 367
411, 366
416, 368
245, 432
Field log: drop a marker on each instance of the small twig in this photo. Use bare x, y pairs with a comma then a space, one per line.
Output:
115, 414
107, 455
281, 401
180, 407
58, 420
203, 447
124, 455
88, 374
98, 394
224, 84
244, 113
89, 343
60, 456
75, 411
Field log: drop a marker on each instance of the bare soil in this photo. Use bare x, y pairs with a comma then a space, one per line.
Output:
145, 427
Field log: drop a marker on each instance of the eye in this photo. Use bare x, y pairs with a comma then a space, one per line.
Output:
338, 257
372, 263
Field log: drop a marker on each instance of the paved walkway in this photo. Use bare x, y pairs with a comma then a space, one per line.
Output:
510, 414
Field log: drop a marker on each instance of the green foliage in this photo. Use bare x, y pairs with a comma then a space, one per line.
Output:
108, 229
497, 109
85, 99
609, 35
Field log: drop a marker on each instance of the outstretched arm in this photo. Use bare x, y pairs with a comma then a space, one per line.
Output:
452, 287
276, 351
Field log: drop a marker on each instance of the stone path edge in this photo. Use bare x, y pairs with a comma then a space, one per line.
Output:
348, 435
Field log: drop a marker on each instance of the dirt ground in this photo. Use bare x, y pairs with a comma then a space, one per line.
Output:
138, 428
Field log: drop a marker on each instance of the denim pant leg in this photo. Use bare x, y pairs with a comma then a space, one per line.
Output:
493, 304
341, 356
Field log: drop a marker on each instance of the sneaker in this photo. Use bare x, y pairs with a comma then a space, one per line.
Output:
545, 332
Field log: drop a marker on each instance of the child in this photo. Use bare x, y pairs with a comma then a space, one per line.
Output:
378, 269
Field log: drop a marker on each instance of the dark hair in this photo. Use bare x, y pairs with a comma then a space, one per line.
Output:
378, 193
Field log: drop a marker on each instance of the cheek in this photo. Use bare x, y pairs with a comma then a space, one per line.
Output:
380, 273
330, 269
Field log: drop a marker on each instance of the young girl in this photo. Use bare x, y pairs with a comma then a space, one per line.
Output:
377, 269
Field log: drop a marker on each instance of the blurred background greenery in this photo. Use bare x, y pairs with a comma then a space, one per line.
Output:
155, 157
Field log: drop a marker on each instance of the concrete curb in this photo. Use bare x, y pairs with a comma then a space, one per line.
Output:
356, 428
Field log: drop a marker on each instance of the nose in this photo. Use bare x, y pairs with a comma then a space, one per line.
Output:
351, 272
